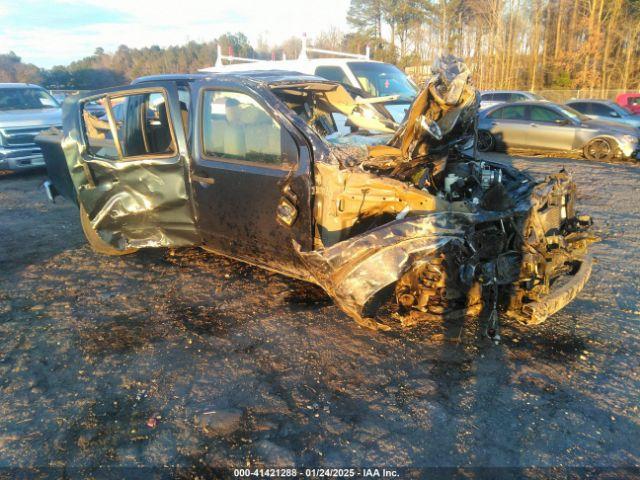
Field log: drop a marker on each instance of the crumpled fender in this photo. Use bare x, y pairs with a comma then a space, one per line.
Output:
355, 271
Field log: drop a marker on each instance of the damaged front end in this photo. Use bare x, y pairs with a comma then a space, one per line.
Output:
439, 231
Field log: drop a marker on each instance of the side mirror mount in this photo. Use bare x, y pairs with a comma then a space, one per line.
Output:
614, 114
562, 121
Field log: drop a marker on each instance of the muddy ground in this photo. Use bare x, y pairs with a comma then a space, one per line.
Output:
186, 359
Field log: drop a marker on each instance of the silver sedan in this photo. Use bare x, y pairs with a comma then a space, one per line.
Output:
546, 126
605, 110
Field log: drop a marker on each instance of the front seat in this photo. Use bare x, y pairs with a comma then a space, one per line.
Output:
161, 141
262, 134
234, 134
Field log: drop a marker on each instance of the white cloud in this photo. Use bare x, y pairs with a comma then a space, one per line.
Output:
171, 22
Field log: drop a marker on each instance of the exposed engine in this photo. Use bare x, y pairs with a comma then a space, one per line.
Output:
455, 235
509, 263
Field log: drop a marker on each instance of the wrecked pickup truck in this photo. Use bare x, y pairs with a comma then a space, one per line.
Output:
252, 166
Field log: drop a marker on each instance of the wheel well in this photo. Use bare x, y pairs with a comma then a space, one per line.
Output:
612, 140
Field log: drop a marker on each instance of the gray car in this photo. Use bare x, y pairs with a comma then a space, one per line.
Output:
491, 98
547, 126
25, 111
605, 110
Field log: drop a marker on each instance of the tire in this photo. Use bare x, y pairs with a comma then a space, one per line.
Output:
600, 149
97, 244
486, 142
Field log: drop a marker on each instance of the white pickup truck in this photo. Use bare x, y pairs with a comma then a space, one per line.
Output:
25, 111
377, 79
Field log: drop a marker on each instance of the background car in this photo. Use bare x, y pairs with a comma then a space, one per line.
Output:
25, 111
605, 110
630, 102
489, 98
374, 78
547, 126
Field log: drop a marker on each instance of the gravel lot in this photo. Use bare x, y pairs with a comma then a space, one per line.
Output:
181, 358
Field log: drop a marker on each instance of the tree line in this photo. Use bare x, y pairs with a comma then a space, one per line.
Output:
104, 69
523, 44
511, 44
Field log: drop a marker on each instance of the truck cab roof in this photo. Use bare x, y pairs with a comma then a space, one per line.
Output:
305, 66
261, 76
20, 85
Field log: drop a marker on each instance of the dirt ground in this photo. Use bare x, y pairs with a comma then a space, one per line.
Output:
181, 358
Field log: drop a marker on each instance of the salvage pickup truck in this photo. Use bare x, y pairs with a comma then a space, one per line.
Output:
250, 165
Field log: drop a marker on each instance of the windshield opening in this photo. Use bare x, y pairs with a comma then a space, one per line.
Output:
382, 79
335, 115
26, 99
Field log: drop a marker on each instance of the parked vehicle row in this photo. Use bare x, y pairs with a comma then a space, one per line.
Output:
596, 129
507, 119
626, 104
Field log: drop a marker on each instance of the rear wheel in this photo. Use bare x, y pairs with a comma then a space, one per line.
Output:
97, 244
600, 149
486, 142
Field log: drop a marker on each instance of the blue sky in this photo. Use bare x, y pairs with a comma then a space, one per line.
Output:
54, 32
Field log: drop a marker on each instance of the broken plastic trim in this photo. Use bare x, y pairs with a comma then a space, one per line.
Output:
557, 299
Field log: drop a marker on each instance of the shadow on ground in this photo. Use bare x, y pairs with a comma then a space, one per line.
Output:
181, 358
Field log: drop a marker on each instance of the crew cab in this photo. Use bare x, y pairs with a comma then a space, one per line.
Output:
25, 111
251, 165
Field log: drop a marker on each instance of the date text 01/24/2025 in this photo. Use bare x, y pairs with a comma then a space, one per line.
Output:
315, 472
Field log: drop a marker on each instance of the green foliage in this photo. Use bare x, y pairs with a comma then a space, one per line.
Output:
560, 79
366, 17
103, 69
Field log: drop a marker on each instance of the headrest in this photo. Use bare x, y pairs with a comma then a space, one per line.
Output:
253, 114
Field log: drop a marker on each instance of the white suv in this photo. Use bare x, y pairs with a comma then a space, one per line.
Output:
376, 78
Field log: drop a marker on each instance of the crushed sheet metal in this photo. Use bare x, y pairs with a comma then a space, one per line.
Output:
131, 203
354, 271
447, 104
